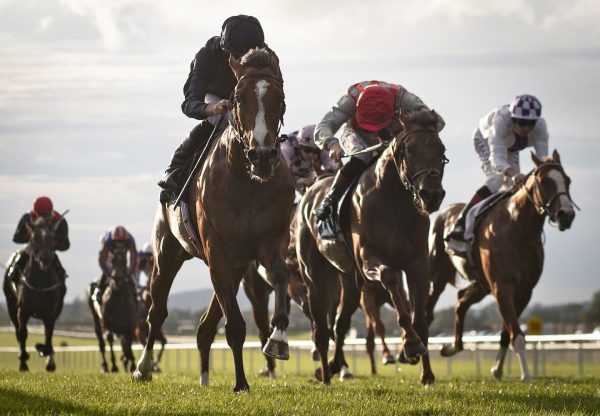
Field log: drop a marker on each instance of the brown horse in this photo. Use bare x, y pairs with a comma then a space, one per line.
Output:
243, 196
116, 315
387, 230
507, 254
372, 298
142, 329
39, 293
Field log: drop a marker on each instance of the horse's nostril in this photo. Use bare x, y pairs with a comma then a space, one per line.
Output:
252, 154
424, 194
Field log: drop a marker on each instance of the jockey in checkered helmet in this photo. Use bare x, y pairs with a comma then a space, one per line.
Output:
498, 139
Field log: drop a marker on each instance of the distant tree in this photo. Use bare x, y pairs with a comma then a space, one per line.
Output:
591, 316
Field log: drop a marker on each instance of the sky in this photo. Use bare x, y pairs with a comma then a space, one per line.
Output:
90, 95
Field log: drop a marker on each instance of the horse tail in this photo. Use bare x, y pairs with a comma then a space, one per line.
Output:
439, 261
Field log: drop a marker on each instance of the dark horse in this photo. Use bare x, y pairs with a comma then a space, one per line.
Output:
117, 315
39, 293
387, 230
242, 197
507, 253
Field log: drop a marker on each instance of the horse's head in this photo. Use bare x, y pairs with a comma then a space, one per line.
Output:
119, 263
41, 242
420, 159
549, 189
258, 107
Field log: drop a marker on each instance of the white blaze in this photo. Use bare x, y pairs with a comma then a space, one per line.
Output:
260, 123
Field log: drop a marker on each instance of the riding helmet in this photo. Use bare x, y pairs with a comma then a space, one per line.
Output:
374, 108
240, 34
525, 107
42, 205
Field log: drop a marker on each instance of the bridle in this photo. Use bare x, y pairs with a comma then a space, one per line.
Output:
545, 208
233, 113
34, 257
404, 172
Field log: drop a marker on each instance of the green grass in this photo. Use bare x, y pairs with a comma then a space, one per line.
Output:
77, 387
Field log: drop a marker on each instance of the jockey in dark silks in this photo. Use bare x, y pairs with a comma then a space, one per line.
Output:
145, 264
207, 91
42, 207
116, 240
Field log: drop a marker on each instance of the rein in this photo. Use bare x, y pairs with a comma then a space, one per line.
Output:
36, 288
405, 175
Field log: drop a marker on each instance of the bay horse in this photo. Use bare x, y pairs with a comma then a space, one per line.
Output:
386, 230
39, 293
242, 197
117, 315
507, 254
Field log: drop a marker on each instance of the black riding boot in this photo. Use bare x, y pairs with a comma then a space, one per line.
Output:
458, 231
342, 180
186, 150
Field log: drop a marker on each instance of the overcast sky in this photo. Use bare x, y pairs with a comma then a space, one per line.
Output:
90, 95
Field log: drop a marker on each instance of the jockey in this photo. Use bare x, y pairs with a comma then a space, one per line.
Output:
145, 263
207, 91
498, 139
305, 160
370, 111
42, 207
116, 240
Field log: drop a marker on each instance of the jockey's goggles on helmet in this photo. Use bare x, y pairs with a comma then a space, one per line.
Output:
524, 122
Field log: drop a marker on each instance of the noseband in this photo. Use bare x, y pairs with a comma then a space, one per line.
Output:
233, 118
544, 208
404, 172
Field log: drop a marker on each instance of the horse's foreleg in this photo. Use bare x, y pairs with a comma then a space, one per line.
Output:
110, 338
279, 275
370, 343
100, 336
499, 362
163, 341
205, 335
257, 292
22, 319
505, 295
375, 325
391, 280
317, 300
48, 348
349, 302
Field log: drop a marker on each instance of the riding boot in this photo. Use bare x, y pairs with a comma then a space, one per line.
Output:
99, 291
196, 140
342, 180
458, 230
60, 270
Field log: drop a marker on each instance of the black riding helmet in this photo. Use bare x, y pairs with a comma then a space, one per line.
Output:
240, 34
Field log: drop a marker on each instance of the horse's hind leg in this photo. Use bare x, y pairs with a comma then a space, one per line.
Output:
129, 362
258, 292
466, 297
169, 260
349, 302
163, 341
499, 362
205, 335
100, 336
22, 319
110, 338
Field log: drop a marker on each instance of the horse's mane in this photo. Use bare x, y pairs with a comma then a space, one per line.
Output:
425, 119
256, 58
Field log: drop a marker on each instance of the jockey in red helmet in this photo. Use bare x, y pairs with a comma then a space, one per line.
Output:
207, 90
42, 207
370, 111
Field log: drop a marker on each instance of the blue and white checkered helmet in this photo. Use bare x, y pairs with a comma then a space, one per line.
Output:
525, 107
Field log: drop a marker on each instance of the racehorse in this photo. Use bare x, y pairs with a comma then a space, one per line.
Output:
507, 254
39, 293
142, 329
386, 230
372, 298
243, 196
116, 315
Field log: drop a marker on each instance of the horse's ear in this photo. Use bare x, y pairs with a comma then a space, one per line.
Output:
236, 66
274, 65
535, 159
556, 156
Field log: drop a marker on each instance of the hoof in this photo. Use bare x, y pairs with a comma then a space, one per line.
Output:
428, 380
139, 376
156, 369
315, 355
526, 379
241, 387
104, 368
345, 374
497, 373
319, 374
403, 359
449, 350
414, 349
388, 359
265, 372
277, 349
114, 369
51, 367
204, 379
42, 350
23, 367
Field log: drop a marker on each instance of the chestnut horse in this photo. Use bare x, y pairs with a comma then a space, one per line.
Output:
117, 315
387, 230
38, 294
507, 252
243, 196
